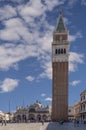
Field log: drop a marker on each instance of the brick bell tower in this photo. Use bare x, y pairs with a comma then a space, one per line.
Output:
60, 59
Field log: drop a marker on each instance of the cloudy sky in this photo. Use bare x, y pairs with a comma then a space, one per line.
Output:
26, 29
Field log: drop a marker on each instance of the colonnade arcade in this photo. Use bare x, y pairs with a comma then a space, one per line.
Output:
32, 117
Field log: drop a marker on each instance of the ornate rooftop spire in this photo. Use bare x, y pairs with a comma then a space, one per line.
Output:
60, 11
60, 26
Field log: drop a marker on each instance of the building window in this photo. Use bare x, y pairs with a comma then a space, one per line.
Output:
64, 50
56, 51
61, 51
81, 98
69, 110
83, 106
60, 38
84, 97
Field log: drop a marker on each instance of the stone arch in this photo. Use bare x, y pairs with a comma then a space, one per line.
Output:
39, 117
24, 118
32, 110
18, 118
83, 106
61, 51
64, 50
58, 51
31, 117
44, 117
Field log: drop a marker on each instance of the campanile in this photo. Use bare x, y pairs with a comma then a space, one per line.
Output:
60, 59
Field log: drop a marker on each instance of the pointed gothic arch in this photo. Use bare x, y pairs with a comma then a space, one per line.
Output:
56, 51
65, 51
61, 51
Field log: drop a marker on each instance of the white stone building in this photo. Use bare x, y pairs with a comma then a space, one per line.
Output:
70, 113
34, 112
83, 105
2, 115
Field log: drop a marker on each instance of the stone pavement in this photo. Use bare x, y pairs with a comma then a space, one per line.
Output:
39, 126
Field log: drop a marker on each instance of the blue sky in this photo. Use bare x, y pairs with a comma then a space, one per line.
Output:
26, 31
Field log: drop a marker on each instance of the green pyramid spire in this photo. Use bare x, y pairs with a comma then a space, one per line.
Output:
60, 26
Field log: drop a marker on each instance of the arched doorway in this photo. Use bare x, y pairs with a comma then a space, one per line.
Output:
24, 118
64, 50
44, 117
19, 118
31, 117
38, 117
61, 51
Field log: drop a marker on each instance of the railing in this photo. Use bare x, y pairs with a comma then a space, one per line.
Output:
83, 110
62, 41
84, 100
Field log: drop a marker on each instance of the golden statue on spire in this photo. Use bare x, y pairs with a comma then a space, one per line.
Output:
60, 11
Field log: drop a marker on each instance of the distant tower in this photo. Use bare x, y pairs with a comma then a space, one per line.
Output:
60, 58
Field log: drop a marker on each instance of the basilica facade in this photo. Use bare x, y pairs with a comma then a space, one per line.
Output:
33, 113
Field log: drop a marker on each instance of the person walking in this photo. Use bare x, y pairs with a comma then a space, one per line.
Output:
42, 122
2, 122
75, 122
5, 122
78, 122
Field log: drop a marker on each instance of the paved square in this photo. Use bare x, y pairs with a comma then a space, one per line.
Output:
39, 126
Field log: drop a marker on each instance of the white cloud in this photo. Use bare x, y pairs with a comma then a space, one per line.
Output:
83, 2
11, 54
32, 9
74, 37
74, 60
31, 41
51, 4
71, 3
38, 8
8, 85
47, 66
30, 78
75, 82
7, 12
43, 94
18, 1
15, 30
48, 99
14, 53
66, 21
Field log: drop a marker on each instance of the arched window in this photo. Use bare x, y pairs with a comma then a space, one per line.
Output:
44, 117
61, 51
83, 106
32, 117
39, 117
19, 118
56, 51
64, 50
24, 118
32, 110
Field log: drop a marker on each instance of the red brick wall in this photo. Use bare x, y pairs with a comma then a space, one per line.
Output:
60, 91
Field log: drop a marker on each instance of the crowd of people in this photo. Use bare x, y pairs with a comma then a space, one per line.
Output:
3, 122
76, 122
